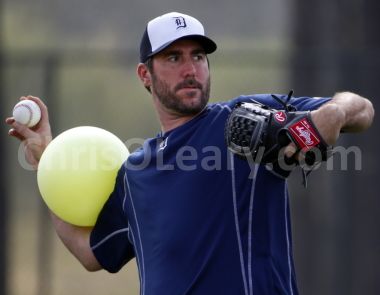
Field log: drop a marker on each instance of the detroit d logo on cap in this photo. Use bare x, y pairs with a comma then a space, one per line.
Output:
180, 22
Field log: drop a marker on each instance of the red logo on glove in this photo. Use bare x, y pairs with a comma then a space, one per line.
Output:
280, 117
305, 135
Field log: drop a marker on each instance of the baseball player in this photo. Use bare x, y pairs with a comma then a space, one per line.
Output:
197, 218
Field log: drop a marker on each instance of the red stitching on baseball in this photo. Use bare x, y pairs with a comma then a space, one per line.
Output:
30, 112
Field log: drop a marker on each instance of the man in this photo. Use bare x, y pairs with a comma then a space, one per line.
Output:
197, 219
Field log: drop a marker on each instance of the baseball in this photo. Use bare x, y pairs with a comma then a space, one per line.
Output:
27, 112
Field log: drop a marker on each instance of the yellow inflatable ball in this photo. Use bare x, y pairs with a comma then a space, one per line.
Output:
77, 173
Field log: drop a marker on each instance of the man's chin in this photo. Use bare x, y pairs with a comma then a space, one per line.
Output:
193, 107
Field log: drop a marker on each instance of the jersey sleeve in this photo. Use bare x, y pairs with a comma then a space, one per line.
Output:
301, 103
109, 239
308, 103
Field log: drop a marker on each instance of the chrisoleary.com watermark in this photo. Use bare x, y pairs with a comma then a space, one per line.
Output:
187, 158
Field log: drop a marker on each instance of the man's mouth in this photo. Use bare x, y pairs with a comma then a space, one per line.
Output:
189, 84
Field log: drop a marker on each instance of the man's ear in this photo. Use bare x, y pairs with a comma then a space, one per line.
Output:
144, 74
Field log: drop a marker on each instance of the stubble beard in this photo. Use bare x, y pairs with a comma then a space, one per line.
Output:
175, 104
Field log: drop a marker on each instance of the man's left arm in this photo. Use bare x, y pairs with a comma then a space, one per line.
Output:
346, 112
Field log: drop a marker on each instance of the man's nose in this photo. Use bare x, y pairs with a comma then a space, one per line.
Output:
189, 69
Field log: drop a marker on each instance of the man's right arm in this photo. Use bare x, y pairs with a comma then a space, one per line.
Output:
77, 240
35, 141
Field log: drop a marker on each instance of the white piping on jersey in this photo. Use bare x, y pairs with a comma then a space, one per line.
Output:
130, 238
237, 223
137, 259
288, 242
250, 230
139, 238
125, 192
109, 236
223, 106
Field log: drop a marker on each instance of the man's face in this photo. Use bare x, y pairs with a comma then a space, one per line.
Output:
181, 78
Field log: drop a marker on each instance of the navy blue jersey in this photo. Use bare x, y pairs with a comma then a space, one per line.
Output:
197, 219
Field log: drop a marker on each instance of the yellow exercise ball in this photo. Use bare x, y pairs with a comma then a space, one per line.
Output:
77, 173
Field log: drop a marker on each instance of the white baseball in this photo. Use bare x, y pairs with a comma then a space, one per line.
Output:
27, 112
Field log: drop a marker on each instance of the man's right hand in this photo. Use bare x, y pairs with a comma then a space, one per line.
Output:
34, 139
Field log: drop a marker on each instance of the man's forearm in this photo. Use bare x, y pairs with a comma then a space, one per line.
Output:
358, 111
347, 112
77, 240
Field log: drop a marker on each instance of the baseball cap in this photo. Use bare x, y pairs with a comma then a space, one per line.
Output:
168, 28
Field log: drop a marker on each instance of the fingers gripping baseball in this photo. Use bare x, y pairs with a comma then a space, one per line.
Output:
36, 138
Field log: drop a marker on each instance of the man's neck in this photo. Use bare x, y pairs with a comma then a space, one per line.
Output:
170, 121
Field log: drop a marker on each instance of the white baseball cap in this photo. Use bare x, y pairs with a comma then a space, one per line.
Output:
168, 28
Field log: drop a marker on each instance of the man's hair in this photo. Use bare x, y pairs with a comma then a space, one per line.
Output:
149, 65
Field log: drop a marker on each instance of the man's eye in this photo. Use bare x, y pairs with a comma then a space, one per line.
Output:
173, 58
198, 57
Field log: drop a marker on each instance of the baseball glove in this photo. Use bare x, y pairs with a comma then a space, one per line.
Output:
257, 133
